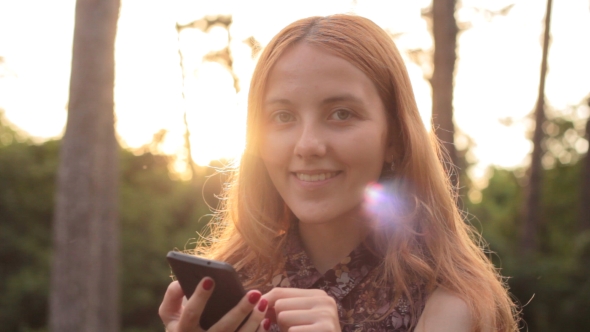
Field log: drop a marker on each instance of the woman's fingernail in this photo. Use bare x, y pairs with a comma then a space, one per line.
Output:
266, 324
208, 284
262, 305
254, 297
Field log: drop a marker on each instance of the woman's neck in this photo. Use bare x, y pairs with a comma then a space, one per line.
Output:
328, 243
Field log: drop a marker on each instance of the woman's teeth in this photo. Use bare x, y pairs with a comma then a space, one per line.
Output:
315, 177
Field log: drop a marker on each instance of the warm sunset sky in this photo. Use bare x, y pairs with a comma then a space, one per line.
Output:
496, 81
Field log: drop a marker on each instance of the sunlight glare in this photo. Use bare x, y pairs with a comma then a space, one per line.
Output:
382, 202
216, 124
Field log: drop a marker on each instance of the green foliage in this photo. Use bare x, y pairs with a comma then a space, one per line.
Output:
26, 203
157, 214
554, 283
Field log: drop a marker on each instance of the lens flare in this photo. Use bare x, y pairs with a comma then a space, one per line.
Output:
382, 201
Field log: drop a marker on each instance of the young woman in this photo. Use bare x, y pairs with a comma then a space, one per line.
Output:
341, 212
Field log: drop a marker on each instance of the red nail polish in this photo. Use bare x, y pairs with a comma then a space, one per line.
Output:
266, 324
208, 284
254, 297
262, 305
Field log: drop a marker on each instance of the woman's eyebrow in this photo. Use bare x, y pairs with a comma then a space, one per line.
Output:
330, 100
343, 97
279, 101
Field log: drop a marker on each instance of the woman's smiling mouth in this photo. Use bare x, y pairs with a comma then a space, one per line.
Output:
316, 177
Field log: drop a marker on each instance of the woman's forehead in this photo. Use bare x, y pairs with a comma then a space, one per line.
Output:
313, 70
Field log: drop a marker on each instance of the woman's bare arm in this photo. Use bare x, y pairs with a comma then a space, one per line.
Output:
445, 312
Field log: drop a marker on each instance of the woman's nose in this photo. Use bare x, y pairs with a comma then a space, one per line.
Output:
310, 143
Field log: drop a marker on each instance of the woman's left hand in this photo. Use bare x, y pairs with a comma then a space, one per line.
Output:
300, 310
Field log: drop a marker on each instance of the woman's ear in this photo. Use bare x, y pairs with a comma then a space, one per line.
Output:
389, 157
391, 153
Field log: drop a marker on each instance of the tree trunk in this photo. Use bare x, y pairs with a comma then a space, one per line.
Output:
187, 134
84, 284
585, 192
444, 30
533, 190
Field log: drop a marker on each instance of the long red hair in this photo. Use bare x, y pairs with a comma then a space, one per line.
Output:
431, 245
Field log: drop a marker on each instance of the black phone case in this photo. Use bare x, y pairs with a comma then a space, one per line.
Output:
189, 270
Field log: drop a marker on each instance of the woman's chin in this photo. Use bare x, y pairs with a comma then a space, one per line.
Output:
326, 219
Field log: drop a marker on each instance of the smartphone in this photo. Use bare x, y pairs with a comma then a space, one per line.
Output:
228, 291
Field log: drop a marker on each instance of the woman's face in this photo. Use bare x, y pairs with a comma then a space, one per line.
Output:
324, 134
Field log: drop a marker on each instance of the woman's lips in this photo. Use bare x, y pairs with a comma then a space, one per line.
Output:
315, 177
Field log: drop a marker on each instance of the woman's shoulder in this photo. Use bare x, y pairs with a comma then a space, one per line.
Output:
445, 311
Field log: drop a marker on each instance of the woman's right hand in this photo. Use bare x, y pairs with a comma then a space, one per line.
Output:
179, 318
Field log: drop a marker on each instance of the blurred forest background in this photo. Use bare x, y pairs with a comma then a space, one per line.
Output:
536, 218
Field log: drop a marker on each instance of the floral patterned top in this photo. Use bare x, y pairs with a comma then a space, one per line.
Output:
362, 304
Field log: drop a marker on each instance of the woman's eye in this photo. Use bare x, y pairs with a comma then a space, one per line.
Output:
341, 115
283, 117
